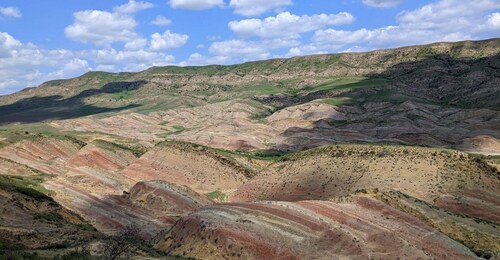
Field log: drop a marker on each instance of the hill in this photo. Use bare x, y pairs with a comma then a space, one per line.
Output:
412, 95
384, 154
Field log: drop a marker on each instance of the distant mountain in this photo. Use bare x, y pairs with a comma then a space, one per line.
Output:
442, 94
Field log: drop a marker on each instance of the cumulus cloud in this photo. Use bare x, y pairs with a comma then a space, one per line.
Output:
74, 67
101, 27
444, 20
132, 7
234, 51
25, 64
161, 21
10, 12
167, 41
136, 44
382, 3
257, 7
239, 48
287, 25
494, 21
196, 4
127, 60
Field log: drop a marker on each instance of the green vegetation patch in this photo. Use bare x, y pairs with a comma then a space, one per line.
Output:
217, 195
126, 94
17, 132
177, 130
337, 101
136, 150
27, 185
349, 83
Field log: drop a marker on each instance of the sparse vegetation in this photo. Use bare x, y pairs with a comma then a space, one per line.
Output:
217, 195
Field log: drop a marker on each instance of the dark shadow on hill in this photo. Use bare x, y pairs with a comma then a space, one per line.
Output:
448, 81
37, 109
438, 101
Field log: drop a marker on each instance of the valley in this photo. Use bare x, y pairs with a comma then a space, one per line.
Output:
377, 155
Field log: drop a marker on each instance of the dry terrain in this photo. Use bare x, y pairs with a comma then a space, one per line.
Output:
380, 155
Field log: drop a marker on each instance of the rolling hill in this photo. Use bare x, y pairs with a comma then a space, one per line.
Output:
384, 154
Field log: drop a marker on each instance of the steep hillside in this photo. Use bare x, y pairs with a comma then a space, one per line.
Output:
32, 220
197, 167
363, 228
334, 171
442, 95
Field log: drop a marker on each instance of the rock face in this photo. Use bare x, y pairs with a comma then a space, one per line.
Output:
362, 228
166, 199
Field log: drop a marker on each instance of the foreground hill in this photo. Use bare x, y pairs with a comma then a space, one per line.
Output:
374, 200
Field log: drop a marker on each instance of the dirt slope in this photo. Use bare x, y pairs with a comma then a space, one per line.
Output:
363, 229
340, 170
199, 168
32, 220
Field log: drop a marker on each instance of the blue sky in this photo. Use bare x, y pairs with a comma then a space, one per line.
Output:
44, 40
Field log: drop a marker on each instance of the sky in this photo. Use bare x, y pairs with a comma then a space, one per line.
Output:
54, 39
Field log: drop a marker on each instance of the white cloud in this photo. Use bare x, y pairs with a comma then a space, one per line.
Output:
136, 44
72, 68
239, 48
287, 25
10, 12
444, 20
161, 21
25, 64
196, 4
257, 7
7, 43
234, 51
197, 59
382, 3
102, 67
129, 60
132, 7
18, 63
167, 41
494, 21
101, 27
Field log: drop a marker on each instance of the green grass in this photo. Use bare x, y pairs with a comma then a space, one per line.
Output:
348, 83
17, 132
126, 94
136, 150
177, 130
266, 155
217, 195
340, 101
27, 185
